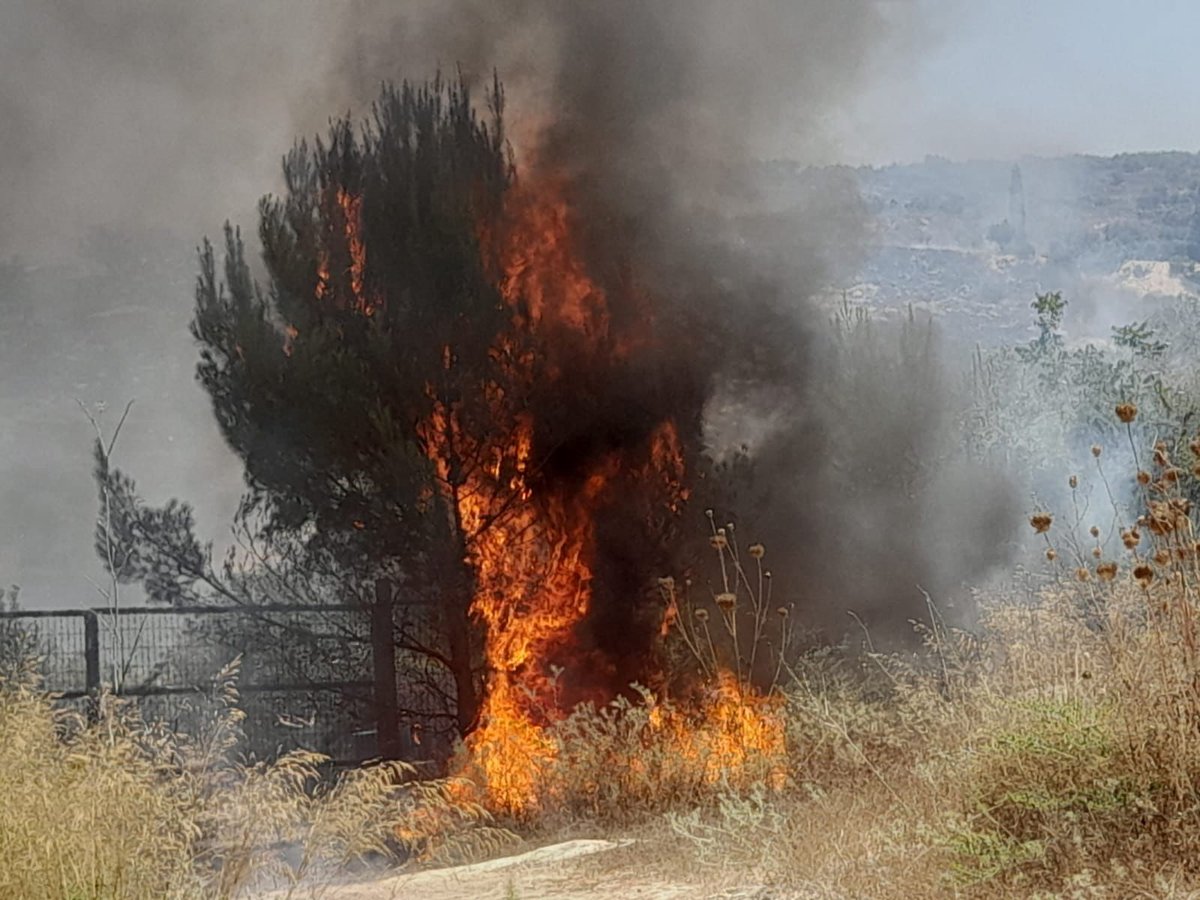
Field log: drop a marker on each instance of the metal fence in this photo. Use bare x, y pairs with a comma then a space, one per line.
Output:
318, 678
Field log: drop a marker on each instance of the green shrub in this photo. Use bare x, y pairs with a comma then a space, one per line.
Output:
1045, 784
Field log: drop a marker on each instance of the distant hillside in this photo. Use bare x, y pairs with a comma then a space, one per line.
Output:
973, 241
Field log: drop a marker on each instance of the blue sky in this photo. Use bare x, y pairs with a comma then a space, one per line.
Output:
1001, 78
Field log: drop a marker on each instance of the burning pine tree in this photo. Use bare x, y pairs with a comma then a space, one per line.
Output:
445, 386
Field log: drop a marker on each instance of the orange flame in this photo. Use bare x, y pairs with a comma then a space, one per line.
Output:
531, 545
350, 212
541, 266
740, 735
531, 563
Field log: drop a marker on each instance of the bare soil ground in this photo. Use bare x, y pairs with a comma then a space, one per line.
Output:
573, 870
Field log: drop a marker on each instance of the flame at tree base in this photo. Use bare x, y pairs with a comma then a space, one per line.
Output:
736, 738
530, 535
509, 754
636, 754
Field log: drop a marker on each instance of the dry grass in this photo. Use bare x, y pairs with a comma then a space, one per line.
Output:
1054, 752
116, 808
87, 816
1063, 760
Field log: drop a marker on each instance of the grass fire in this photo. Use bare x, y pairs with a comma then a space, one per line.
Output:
638, 480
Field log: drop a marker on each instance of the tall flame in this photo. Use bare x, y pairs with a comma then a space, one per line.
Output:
531, 542
532, 564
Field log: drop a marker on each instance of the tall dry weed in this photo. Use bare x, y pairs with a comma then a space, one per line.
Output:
115, 807
1085, 757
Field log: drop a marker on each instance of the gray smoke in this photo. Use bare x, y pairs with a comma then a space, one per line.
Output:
168, 115
127, 131
656, 109
164, 119
658, 114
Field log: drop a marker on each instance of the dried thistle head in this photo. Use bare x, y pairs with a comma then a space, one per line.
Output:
783, 612
702, 615
1051, 554
726, 601
1041, 522
1094, 531
1171, 474
1073, 481
1143, 477
1144, 575
1166, 516
719, 541
1161, 458
1131, 538
1082, 574
1162, 556
757, 551
667, 583
1107, 571
1096, 552
1097, 450
1126, 412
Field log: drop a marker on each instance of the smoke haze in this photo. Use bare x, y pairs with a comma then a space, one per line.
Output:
655, 113
165, 120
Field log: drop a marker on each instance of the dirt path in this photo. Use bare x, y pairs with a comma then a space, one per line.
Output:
574, 870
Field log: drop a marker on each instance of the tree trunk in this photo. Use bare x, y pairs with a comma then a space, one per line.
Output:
457, 620
459, 630
383, 653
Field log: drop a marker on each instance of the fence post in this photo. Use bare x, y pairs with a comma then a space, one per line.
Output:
383, 655
91, 656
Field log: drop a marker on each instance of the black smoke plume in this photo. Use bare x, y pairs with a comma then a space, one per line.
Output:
656, 114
